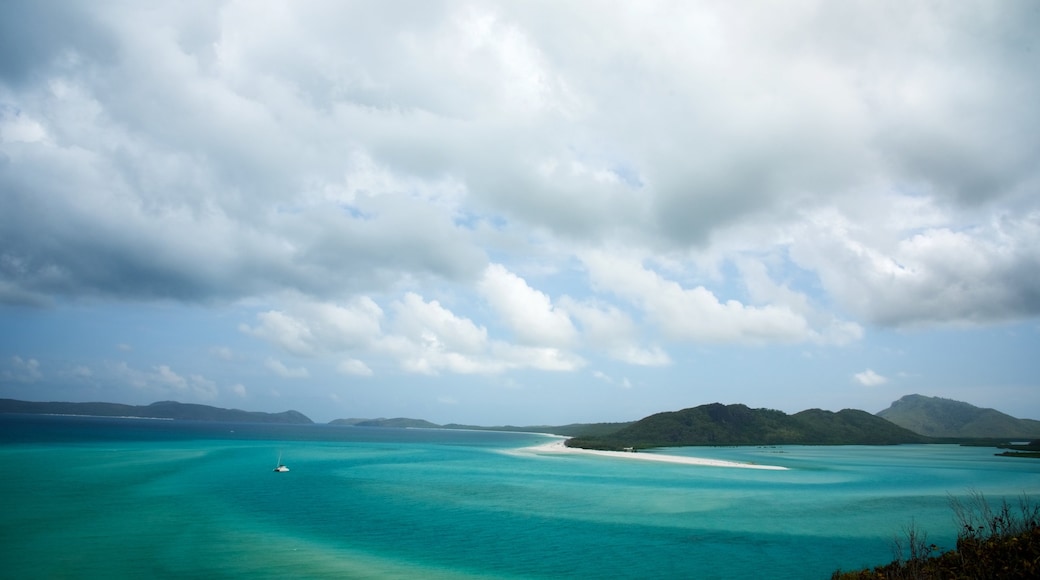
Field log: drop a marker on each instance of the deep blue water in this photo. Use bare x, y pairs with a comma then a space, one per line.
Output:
92, 498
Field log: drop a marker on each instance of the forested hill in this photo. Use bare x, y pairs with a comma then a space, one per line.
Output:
938, 417
159, 410
718, 424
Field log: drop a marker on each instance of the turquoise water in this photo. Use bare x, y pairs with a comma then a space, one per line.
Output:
92, 498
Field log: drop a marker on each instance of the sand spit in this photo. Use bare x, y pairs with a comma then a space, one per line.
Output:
557, 447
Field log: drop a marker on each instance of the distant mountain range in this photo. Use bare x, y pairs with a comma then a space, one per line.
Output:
718, 424
937, 417
911, 419
159, 410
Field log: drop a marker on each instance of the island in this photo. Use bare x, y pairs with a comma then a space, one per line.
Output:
718, 424
157, 410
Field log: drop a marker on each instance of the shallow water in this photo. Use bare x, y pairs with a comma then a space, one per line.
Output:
89, 497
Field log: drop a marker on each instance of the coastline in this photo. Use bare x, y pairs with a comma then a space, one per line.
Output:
557, 447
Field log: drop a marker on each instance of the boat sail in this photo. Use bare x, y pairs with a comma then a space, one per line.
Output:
281, 466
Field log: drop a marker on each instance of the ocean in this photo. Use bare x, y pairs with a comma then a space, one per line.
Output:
128, 498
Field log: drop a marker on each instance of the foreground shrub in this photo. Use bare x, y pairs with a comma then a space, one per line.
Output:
992, 544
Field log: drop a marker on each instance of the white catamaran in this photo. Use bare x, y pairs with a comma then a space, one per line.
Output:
281, 466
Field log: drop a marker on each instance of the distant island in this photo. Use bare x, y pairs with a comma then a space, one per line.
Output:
911, 419
397, 423
158, 410
944, 418
717, 424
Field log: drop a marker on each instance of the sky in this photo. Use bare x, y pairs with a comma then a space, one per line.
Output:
527, 213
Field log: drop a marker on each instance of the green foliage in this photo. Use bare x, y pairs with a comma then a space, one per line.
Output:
159, 410
938, 417
718, 424
1031, 450
999, 543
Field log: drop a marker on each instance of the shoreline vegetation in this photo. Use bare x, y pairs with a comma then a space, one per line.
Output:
994, 543
1028, 450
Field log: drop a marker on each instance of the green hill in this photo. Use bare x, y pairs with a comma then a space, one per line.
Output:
159, 410
938, 417
718, 424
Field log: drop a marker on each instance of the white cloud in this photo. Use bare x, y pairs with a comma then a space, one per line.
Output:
18, 128
693, 314
278, 367
422, 336
898, 276
239, 390
166, 376
436, 326
290, 334
387, 188
541, 358
314, 327
869, 378
369, 173
606, 327
825, 327
429, 338
529, 313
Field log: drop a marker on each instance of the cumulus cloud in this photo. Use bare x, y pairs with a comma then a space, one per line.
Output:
288, 333
869, 378
898, 276
317, 327
422, 336
384, 181
528, 313
279, 368
694, 314
607, 327
429, 338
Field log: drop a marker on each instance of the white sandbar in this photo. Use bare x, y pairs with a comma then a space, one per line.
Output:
559, 447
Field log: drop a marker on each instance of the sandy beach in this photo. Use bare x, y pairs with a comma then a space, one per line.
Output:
557, 447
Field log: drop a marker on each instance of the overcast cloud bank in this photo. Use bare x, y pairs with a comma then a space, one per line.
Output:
447, 188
